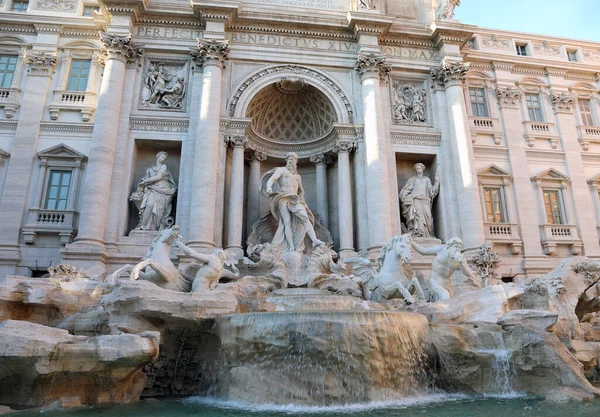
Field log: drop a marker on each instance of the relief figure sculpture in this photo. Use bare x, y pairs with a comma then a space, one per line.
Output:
154, 196
283, 186
416, 198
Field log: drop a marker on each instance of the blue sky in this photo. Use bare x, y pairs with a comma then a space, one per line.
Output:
576, 19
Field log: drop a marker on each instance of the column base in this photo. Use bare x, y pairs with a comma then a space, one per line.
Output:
88, 257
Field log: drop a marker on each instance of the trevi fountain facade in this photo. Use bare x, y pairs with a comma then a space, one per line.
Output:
314, 202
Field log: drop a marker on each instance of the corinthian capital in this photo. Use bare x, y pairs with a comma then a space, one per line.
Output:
346, 146
320, 158
509, 96
236, 141
211, 52
120, 47
449, 73
371, 65
254, 155
41, 63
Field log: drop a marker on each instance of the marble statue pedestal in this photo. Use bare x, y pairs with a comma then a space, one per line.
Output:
296, 264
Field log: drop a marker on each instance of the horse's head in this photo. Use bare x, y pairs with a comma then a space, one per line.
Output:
402, 247
169, 235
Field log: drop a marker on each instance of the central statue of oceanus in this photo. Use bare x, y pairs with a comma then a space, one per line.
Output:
290, 226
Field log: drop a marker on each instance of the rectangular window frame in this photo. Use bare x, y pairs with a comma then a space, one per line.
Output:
554, 208
572, 55
478, 99
585, 111
79, 75
495, 208
88, 11
19, 6
534, 109
7, 75
521, 49
61, 201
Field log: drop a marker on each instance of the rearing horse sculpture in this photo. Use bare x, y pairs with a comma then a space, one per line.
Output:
394, 279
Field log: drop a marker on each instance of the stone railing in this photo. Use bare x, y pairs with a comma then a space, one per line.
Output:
82, 101
9, 100
485, 125
588, 134
61, 222
507, 233
542, 129
560, 234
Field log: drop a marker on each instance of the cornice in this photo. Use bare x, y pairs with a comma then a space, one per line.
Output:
404, 40
158, 124
491, 150
293, 30
166, 20
416, 139
8, 125
545, 155
457, 36
66, 127
369, 23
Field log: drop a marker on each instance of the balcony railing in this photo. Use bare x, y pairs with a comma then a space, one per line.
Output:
485, 125
588, 134
560, 234
540, 129
83, 101
61, 222
507, 233
9, 100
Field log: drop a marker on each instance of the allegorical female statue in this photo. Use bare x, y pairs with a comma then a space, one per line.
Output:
154, 195
416, 198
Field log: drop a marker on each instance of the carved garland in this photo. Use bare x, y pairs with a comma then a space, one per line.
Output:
298, 70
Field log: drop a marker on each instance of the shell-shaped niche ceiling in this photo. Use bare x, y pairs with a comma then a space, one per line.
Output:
291, 110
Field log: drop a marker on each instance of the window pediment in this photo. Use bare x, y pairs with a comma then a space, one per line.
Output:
61, 152
551, 178
493, 174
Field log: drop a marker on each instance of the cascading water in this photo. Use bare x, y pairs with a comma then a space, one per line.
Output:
503, 377
322, 357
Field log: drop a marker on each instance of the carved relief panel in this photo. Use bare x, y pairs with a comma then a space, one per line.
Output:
164, 84
409, 103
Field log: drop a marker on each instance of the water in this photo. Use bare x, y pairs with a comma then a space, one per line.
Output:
432, 406
322, 357
504, 375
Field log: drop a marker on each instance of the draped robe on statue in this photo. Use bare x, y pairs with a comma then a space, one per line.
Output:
296, 205
416, 197
157, 197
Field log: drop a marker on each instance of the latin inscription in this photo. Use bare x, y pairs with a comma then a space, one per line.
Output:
168, 33
311, 4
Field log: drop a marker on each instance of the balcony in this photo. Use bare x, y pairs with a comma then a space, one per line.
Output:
61, 222
82, 101
553, 235
9, 100
504, 233
540, 130
588, 134
485, 125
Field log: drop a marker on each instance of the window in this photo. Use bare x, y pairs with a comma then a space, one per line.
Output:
534, 107
78, 77
478, 103
586, 112
552, 206
521, 49
89, 10
493, 205
8, 64
19, 6
58, 190
572, 55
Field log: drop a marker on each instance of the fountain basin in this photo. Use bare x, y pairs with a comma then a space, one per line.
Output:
322, 357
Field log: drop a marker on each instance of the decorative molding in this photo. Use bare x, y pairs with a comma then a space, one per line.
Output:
545, 156
591, 159
545, 49
590, 55
211, 52
415, 139
165, 85
66, 127
449, 73
158, 124
409, 103
495, 43
8, 125
59, 5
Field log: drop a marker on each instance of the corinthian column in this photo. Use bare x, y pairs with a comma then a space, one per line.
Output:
211, 54
346, 220
370, 68
450, 76
321, 160
253, 209
94, 202
235, 216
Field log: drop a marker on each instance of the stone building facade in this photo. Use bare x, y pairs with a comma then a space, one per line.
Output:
91, 91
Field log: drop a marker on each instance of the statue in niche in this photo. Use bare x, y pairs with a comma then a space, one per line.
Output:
409, 103
163, 88
154, 195
416, 198
447, 258
283, 186
445, 9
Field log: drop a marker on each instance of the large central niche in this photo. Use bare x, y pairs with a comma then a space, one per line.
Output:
291, 110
